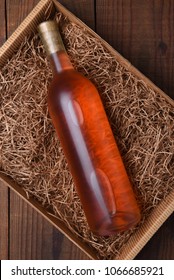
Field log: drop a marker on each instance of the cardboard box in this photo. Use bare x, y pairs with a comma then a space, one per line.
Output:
161, 212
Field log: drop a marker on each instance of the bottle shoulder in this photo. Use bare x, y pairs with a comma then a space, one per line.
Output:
69, 76
71, 81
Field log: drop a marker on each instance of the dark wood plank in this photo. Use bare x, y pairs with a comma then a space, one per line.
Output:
31, 237
83, 9
3, 189
17, 10
142, 31
4, 222
64, 249
161, 245
2, 22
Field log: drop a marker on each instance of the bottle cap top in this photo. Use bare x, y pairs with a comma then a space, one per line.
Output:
50, 36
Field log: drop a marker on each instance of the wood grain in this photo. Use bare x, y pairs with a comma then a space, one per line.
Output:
4, 222
161, 245
83, 9
2, 22
31, 236
142, 31
3, 189
16, 11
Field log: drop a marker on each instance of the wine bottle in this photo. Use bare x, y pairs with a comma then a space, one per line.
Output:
88, 143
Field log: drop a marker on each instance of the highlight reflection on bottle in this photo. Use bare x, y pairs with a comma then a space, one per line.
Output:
93, 157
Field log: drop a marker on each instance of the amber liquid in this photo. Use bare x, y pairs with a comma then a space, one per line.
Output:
90, 149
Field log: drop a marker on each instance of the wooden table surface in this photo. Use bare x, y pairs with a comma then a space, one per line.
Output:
143, 32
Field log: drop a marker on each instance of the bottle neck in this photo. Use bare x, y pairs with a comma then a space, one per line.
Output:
54, 46
60, 62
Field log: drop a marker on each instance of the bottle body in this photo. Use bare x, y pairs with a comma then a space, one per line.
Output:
92, 154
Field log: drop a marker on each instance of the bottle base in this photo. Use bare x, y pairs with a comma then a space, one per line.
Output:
114, 227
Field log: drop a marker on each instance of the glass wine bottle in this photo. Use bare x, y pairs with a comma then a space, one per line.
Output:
89, 146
